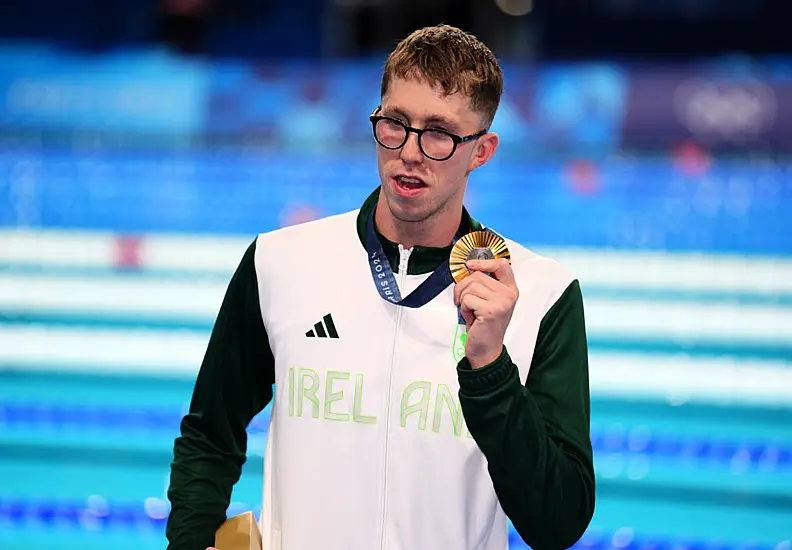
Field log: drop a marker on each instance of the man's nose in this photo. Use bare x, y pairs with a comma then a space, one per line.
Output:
411, 151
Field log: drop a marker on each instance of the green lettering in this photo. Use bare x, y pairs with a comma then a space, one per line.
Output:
331, 397
308, 392
421, 407
444, 395
356, 414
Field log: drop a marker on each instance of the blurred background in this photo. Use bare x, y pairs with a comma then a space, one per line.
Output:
645, 143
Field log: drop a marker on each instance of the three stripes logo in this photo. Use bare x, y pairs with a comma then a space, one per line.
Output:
323, 329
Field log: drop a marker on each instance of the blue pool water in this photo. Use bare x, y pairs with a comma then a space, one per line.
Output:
84, 462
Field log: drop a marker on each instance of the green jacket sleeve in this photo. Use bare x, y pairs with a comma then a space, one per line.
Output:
234, 384
536, 437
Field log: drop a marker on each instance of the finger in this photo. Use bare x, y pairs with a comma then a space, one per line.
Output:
461, 286
467, 315
472, 304
476, 279
491, 283
475, 284
480, 290
488, 304
499, 268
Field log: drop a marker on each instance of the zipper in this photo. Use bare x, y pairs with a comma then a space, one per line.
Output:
404, 257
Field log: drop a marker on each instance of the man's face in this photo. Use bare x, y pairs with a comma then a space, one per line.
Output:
414, 186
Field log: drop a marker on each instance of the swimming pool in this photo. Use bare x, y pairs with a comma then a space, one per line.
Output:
85, 463
691, 423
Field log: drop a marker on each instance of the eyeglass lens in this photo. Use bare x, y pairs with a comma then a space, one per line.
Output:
435, 144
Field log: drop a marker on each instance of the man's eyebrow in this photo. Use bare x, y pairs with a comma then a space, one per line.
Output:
443, 121
430, 120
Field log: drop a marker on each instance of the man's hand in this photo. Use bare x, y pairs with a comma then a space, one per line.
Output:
487, 303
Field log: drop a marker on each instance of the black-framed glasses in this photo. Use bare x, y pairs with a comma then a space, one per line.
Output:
435, 143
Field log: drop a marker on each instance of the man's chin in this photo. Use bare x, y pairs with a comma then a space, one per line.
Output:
408, 210
411, 215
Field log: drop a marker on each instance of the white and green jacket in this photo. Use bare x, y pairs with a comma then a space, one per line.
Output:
382, 437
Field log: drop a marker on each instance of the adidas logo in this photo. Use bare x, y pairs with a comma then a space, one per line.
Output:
323, 329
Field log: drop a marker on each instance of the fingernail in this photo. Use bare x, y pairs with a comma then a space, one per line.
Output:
472, 263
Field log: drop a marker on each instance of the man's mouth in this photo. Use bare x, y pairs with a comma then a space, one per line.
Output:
409, 183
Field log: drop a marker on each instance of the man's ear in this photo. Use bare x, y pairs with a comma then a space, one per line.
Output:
486, 146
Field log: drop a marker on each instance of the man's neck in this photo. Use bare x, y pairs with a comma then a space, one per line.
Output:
435, 232
424, 259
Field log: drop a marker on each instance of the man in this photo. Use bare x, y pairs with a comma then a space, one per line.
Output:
409, 411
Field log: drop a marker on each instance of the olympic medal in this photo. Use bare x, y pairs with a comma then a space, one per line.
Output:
479, 245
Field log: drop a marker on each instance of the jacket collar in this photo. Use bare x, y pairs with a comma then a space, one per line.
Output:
423, 259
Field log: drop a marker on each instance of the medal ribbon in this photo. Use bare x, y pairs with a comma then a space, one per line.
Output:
385, 280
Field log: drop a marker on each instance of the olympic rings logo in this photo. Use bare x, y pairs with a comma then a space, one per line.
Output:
726, 110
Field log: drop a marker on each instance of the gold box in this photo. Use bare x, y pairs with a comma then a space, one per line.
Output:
239, 533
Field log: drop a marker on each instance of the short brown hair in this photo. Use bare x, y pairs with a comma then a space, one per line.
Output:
452, 58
